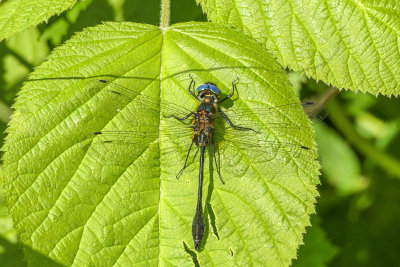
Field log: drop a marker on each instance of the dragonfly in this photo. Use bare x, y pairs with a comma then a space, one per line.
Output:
206, 127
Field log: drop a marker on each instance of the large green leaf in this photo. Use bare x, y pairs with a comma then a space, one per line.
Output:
18, 15
81, 201
349, 44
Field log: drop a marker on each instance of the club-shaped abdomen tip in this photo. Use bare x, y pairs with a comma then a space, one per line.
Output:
197, 244
198, 229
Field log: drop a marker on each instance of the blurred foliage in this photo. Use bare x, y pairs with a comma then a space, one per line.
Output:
318, 250
359, 208
334, 152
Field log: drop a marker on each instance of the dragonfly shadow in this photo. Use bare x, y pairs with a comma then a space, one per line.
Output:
208, 211
192, 254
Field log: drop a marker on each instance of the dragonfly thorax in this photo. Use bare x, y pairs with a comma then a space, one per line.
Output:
203, 125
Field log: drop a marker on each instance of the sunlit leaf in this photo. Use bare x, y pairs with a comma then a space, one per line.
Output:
18, 15
349, 44
80, 201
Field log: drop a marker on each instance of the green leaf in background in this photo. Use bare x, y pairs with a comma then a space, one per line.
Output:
78, 201
18, 15
25, 50
349, 44
317, 250
84, 14
339, 162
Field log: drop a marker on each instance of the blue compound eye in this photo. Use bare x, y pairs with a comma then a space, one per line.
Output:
202, 87
215, 89
211, 87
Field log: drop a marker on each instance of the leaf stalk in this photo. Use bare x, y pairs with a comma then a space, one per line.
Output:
165, 14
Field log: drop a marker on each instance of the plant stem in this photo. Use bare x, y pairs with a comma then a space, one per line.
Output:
344, 125
165, 14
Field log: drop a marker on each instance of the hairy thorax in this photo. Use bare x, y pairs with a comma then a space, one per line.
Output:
203, 126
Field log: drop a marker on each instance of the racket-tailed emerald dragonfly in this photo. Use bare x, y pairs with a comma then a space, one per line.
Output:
206, 127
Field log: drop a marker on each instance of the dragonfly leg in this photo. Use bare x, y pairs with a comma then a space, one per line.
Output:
187, 156
233, 91
193, 83
240, 128
179, 119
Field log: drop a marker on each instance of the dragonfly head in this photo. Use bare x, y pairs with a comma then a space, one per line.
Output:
207, 89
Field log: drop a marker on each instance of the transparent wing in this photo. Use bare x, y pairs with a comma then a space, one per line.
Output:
257, 145
236, 113
148, 103
266, 140
261, 116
